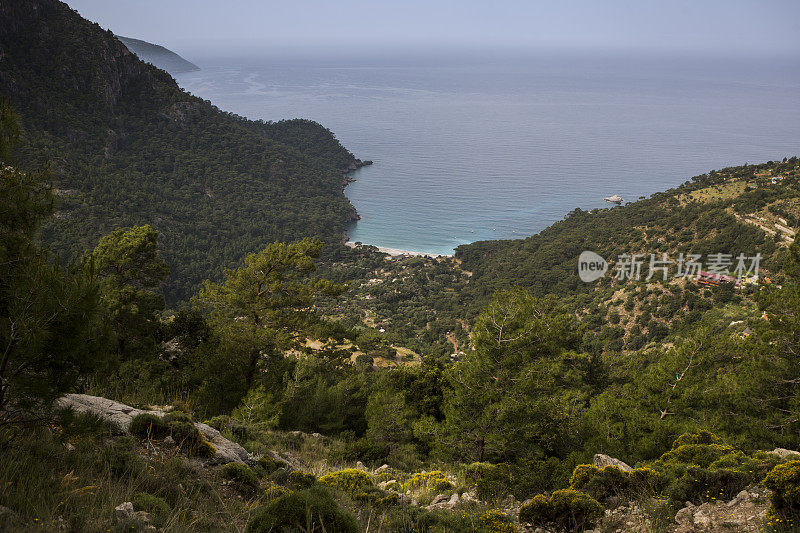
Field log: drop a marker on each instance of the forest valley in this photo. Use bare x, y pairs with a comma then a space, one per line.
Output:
187, 345
498, 397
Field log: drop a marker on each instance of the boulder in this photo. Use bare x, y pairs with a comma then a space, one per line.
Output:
601, 460
124, 513
120, 416
442, 501
746, 512
227, 451
784, 453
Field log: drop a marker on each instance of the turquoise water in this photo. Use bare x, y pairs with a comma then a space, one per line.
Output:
471, 149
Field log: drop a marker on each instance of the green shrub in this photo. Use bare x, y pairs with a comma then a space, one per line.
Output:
185, 434
699, 485
435, 480
491, 481
146, 425
268, 464
177, 416
410, 519
495, 521
350, 480
188, 437
122, 459
702, 437
697, 454
647, 481
241, 475
300, 479
784, 482
565, 510
312, 511
273, 491
388, 500
610, 481
75, 424
143, 501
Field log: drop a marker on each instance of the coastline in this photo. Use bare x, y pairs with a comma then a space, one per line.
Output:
395, 252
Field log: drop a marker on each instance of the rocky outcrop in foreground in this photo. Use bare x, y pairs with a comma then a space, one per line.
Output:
120, 416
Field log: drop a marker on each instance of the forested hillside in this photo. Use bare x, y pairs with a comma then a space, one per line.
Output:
158, 55
312, 388
428, 304
127, 146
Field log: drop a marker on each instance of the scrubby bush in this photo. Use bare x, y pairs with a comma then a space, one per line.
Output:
350, 480
610, 482
645, 481
241, 475
784, 482
491, 481
699, 485
434, 480
189, 438
388, 500
147, 425
565, 510
313, 511
176, 416
300, 479
495, 521
274, 491
600, 483
154, 505
122, 459
697, 454
268, 464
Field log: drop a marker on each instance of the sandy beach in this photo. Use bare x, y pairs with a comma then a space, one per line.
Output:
397, 252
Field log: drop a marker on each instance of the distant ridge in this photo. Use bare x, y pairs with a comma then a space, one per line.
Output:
158, 55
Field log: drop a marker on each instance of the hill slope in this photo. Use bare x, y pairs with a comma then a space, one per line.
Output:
128, 146
159, 56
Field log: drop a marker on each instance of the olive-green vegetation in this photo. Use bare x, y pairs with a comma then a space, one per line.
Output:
493, 374
127, 147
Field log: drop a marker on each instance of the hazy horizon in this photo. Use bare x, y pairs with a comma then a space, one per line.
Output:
714, 27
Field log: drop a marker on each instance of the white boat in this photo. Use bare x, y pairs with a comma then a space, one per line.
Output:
616, 199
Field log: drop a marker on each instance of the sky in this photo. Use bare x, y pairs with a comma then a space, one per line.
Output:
716, 26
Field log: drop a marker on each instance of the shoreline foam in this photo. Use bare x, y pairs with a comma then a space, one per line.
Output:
395, 252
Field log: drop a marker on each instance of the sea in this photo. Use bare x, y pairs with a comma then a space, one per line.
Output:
472, 145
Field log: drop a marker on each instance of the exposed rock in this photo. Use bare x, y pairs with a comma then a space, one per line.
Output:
124, 513
744, 513
601, 460
443, 501
227, 451
784, 453
381, 469
469, 497
120, 415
